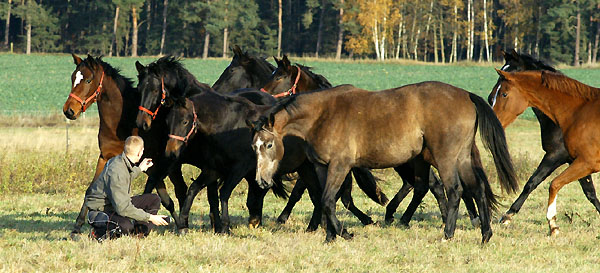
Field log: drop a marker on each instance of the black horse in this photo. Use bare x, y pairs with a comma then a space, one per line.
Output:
159, 84
552, 140
247, 71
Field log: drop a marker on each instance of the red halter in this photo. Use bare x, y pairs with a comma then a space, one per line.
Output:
162, 101
192, 130
290, 91
94, 97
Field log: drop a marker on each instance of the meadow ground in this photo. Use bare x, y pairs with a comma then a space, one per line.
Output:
42, 187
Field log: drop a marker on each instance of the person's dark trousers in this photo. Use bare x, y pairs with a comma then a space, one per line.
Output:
150, 203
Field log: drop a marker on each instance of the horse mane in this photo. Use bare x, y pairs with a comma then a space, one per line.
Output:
531, 63
124, 84
170, 66
321, 81
559, 82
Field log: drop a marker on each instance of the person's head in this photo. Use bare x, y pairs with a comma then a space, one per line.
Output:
134, 148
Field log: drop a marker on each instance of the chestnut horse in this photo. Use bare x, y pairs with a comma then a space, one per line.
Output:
97, 81
432, 122
570, 104
552, 139
290, 79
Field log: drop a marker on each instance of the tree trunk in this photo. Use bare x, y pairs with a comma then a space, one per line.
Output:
376, 39
7, 29
28, 35
453, 57
164, 26
148, 24
340, 41
469, 41
577, 37
416, 46
320, 31
279, 29
114, 38
400, 37
412, 29
427, 30
134, 35
435, 45
225, 37
595, 53
442, 49
485, 32
206, 43
538, 31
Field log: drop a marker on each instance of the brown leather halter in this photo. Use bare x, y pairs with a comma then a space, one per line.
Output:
192, 130
92, 98
162, 101
290, 91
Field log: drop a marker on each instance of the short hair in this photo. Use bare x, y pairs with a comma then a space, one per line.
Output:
133, 145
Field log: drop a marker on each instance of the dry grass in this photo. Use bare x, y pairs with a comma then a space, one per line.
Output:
34, 225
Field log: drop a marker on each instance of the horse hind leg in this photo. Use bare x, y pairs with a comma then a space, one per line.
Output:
421, 187
587, 185
406, 172
346, 196
474, 180
549, 163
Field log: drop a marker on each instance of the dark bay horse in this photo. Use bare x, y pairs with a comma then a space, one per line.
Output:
159, 82
572, 105
347, 127
97, 81
247, 71
290, 79
552, 139
244, 71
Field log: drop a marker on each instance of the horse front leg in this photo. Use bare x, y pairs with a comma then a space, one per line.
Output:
332, 177
205, 178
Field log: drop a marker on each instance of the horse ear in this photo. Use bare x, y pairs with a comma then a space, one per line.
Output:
502, 73
76, 59
514, 53
237, 50
250, 125
277, 61
140, 67
271, 120
506, 55
286, 61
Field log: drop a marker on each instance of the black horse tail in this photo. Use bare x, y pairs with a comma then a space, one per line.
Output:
480, 175
492, 136
368, 184
280, 190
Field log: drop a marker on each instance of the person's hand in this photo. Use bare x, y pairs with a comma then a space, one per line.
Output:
158, 220
145, 164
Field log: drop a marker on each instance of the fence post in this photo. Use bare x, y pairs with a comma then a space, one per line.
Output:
67, 130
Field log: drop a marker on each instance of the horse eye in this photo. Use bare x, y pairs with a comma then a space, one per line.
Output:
185, 122
269, 145
89, 81
504, 95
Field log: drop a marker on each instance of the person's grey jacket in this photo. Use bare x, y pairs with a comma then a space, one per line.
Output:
110, 191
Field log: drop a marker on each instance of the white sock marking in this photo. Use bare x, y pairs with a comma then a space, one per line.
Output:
551, 210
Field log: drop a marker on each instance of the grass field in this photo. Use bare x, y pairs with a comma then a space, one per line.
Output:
42, 187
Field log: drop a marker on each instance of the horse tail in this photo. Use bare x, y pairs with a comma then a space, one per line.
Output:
368, 184
280, 190
492, 136
480, 175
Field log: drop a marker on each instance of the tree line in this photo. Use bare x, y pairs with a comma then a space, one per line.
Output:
565, 31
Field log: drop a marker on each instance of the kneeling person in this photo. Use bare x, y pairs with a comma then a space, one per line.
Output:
109, 193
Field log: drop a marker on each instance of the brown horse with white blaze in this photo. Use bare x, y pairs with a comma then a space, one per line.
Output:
346, 127
574, 106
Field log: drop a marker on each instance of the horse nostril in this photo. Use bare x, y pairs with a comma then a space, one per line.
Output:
145, 126
69, 113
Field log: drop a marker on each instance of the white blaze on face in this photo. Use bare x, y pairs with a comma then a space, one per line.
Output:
78, 78
551, 210
496, 95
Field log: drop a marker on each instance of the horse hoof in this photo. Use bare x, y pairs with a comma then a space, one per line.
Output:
476, 222
346, 235
404, 224
183, 231
389, 221
486, 237
254, 223
329, 239
554, 232
75, 236
312, 228
506, 219
368, 221
282, 219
